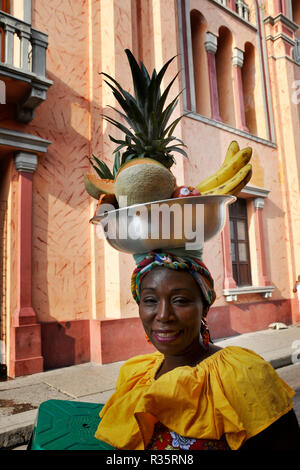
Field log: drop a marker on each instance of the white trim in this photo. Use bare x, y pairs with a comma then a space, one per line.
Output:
232, 294
211, 42
237, 57
226, 127
25, 161
264, 55
190, 54
21, 141
255, 191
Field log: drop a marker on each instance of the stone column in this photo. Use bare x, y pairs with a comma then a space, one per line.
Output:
237, 62
211, 44
25, 357
261, 255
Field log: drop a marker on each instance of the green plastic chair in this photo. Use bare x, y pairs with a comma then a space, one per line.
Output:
67, 425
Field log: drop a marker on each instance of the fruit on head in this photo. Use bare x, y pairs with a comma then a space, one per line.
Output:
142, 172
96, 186
185, 191
143, 182
149, 133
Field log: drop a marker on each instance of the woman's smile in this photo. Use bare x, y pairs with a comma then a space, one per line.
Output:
166, 336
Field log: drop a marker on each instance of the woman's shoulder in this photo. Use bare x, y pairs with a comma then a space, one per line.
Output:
141, 365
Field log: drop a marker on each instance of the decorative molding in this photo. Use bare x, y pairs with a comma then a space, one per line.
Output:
226, 127
238, 57
281, 36
255, 191
21, 141
232, 294
26, 162
211, 43
284, 19
259, 203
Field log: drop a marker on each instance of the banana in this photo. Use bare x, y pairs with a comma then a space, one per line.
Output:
227, 171
233, 148
233, 185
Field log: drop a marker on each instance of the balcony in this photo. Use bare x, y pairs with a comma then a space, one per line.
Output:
23, 81
242, 10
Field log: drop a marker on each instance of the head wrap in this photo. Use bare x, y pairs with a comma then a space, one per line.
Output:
178, 260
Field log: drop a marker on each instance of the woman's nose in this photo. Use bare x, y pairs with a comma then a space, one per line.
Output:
164, 311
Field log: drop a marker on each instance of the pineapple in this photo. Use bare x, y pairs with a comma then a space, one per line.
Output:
149, 134
143, 173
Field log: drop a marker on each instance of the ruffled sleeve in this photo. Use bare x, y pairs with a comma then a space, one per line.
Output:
234, 393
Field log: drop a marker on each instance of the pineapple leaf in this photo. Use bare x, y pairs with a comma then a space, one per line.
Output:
117, 164
169, 130
162, 100
176, 149
104, 168
139, 81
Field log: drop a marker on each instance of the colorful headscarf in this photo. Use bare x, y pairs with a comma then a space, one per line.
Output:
200, 273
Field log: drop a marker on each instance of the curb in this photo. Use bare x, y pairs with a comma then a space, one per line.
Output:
17, 429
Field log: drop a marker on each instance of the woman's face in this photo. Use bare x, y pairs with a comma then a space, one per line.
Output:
171, 309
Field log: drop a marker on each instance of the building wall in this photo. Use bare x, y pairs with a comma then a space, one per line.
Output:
80, 285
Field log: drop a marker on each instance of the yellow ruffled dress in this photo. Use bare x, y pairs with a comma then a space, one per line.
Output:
234, 392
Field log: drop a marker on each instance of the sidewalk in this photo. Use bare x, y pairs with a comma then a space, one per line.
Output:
21, 397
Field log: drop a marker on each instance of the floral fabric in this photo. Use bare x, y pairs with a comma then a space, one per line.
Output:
163, 439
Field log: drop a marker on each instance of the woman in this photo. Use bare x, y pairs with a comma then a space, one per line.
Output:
191, 394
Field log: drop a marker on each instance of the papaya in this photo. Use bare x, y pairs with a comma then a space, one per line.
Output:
96, 186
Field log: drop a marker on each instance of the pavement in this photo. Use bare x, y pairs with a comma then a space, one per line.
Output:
94, 383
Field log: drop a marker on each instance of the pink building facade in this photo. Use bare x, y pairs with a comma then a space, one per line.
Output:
65, 294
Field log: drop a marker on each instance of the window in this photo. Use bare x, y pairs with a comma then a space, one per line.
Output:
240, 256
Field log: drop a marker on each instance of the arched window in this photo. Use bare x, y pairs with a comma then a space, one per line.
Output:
224, 76
201, 78
248, 79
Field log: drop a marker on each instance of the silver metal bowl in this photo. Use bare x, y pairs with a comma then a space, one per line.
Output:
171, 223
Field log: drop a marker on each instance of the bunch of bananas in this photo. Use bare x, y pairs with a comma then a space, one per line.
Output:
232, 176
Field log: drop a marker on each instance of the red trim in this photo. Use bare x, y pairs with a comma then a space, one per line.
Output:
25, 350
239, 99
213, 87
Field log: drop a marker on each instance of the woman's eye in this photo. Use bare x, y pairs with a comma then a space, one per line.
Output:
149, 300
181, 300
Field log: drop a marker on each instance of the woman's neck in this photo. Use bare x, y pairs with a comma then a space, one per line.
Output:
195, 354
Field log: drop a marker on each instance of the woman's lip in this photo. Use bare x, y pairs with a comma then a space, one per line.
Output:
166, 336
